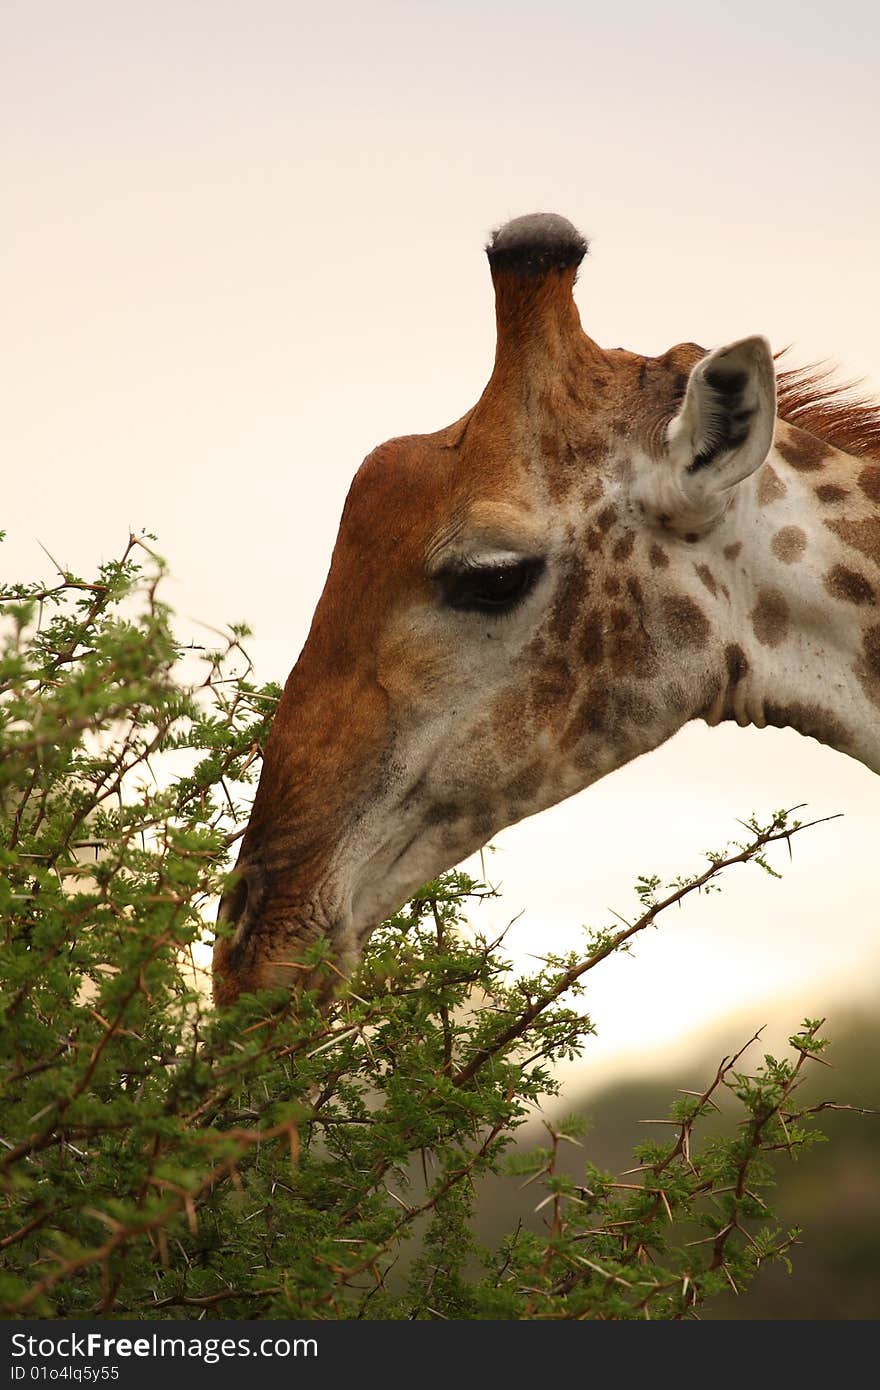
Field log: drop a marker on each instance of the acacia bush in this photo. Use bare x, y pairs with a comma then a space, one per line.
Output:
158, 1158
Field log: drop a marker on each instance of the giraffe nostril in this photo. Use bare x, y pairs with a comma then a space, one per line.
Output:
234, 901
239, 903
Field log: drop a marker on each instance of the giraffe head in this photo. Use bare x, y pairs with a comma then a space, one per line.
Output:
516, 605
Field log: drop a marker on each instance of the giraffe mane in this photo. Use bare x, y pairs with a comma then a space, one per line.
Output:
811, 398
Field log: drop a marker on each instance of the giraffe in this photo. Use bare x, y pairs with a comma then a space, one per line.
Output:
605, 547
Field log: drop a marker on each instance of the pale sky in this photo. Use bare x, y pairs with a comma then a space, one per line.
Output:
243, 244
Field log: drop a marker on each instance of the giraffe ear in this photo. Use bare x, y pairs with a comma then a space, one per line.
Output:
724, 430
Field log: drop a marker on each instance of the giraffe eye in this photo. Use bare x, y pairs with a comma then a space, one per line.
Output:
496, 588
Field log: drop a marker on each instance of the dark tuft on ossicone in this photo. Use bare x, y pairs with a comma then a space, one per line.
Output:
536, 243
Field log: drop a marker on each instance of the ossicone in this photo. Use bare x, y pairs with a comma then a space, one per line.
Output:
535, 244
534, 261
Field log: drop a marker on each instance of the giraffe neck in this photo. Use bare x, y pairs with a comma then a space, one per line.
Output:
798, 553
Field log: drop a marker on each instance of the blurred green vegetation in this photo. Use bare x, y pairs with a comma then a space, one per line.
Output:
833, 1194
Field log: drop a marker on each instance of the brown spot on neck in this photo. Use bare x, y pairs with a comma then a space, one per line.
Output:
658, 557
686, 623
630, 649
832, 492
731, 551
737, 663
789, 544
770, 486
803, 451
863, 536
868, 668
634, 589
869, 481
623, 548
592, 641
707, 579
871, 645
770, 618
849, 585
633, 705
